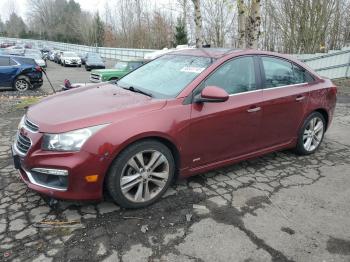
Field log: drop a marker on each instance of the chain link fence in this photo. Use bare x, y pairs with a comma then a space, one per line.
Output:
334, 64
105, 52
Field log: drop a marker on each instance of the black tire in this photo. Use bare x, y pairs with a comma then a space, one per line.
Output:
21, 84
300, 148
114, 175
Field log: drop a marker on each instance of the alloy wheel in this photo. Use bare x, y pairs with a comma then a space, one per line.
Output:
313, 134
21, 85
144, 176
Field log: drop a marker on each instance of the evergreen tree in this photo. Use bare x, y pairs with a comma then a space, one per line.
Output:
98, 31
180, 32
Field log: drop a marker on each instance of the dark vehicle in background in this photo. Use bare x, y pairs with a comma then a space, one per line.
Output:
94, 62
45, 50
119, 70
57, 57
6, 45
20, 73
83, 56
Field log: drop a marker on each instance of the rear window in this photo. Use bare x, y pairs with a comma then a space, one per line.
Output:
25, 60
4, 61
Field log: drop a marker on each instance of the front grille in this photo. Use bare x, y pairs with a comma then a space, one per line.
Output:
31, 126
95, 77
23, 143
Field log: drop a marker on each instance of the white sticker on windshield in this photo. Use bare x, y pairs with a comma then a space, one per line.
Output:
192, 69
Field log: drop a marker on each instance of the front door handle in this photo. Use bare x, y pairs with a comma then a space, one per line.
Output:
254, 109
299, 98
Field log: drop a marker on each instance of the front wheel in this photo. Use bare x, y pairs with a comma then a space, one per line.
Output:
141, 174
311, 134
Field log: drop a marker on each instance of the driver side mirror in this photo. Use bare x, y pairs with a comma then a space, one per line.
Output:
211, 94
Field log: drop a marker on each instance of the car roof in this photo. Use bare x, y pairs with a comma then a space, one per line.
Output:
206, 52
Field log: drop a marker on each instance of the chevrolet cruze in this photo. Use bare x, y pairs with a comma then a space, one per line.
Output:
184, 113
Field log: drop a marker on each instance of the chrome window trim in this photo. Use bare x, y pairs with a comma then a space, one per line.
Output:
266, 89
277, 87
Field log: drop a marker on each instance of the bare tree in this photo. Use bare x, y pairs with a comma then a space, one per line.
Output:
249, 20
198, 22
218, 20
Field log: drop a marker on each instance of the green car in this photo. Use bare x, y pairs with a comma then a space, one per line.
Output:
119, 70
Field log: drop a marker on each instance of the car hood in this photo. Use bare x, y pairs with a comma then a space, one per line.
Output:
95, 63
106, 71
89, 106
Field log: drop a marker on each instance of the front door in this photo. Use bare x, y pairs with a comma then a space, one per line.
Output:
220, 131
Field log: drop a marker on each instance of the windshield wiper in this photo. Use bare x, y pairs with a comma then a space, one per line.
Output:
136, 90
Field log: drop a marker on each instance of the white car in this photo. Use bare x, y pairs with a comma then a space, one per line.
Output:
70, 59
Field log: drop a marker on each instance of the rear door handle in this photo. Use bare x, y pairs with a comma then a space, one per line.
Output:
300, 98
254, 109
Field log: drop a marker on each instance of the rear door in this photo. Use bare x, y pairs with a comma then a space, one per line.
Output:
8, 71
285, 98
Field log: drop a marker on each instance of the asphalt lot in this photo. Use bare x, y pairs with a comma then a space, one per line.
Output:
279, 207
57, 74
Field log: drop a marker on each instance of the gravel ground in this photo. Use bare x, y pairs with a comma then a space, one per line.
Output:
279, 207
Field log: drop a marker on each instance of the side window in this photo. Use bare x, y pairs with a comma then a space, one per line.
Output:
4, 61
235, 76
279, 72
302, 75
12, 62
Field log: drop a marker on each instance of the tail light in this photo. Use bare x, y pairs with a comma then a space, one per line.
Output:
38, 68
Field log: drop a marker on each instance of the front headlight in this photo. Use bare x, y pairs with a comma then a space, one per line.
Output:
70, 141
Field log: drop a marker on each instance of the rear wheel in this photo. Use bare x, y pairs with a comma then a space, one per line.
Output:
21, 84
311, 134
141, 174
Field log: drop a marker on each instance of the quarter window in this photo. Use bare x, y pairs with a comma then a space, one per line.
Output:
4, 61
235, 76
280, 72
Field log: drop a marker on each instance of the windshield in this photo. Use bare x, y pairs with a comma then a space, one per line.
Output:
69, 54
95, 59
121, 65
166, 76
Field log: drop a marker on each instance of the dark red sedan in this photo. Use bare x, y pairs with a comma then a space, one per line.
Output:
184, 113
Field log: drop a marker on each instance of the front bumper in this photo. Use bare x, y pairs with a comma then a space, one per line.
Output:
95, 78
75, 63
78, 165
36, 83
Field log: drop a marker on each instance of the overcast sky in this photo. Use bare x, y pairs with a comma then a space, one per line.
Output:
21, 7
